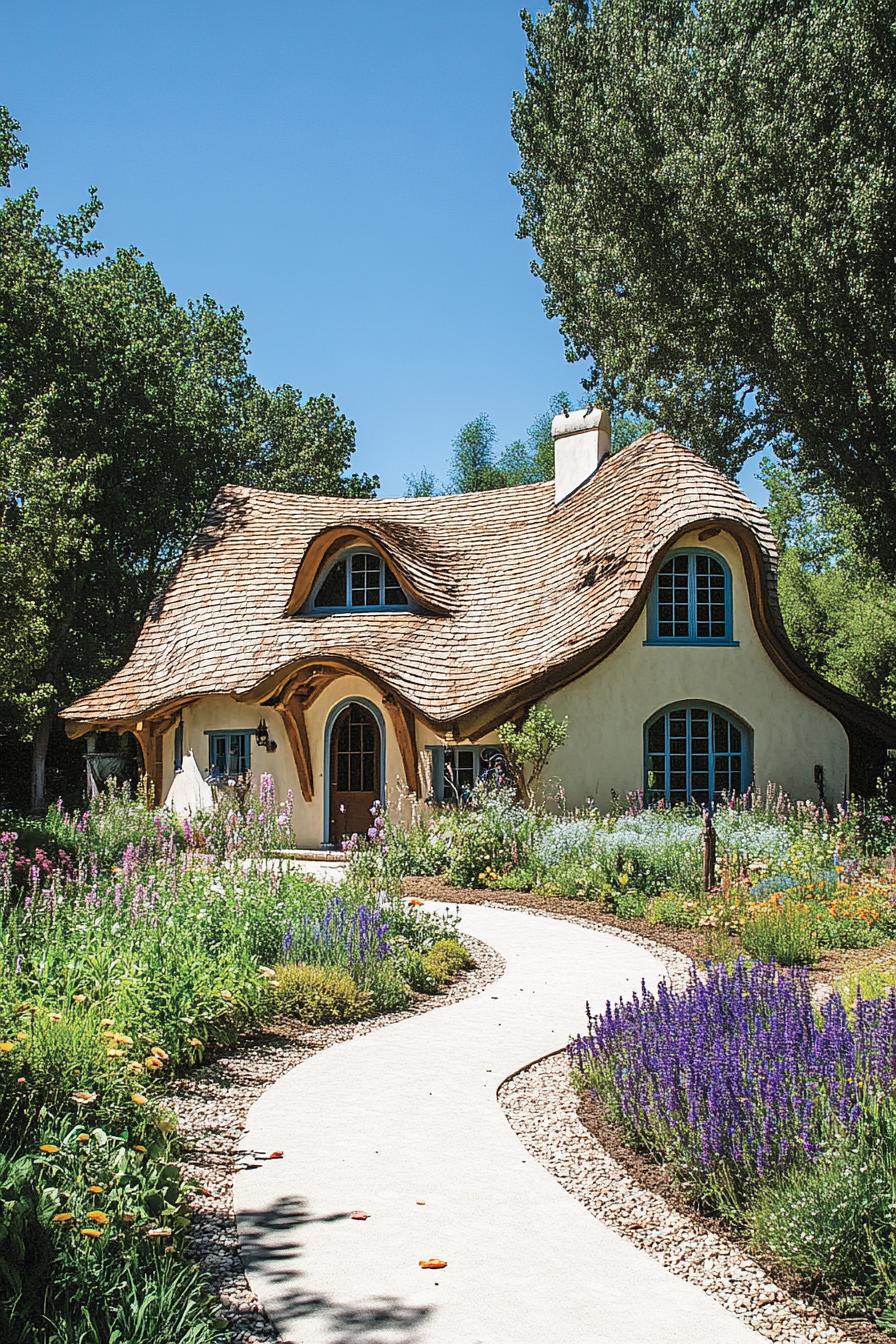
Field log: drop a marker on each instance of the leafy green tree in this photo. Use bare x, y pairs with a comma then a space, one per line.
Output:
711, 192
421, 484
121, 414
838, 604
303, 447
473, 464
529, 746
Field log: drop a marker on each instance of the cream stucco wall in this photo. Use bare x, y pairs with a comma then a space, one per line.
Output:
608, 707
222, 712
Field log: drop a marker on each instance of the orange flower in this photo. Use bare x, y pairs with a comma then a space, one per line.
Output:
139, 1148
83, 1138
62, 1217
95, 1189
152, 1063
97, 1216
6, 1046
195, 1042
49, 1148
91, 1232
159, 1053
138, 1099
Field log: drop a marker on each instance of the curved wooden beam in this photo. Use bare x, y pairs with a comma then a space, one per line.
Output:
292, 712
405, 726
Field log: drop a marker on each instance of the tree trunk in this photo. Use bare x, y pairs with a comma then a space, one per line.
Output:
39, 747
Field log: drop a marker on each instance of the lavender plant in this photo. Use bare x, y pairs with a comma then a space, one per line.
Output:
736, 1077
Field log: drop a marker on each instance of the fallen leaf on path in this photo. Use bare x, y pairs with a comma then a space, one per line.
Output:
359, 1215
421, 1201
432, 1264
271, 1156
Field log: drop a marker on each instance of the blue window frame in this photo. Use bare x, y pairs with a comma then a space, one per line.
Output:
690, 602
695, 753
457, 770
229, 753
359, 580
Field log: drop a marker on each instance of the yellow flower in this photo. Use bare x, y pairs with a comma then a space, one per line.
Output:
62, 1217
134, 1067
152, 1063
115, 1053
6, 1046
78, 998
91, 1232
49, 1148
195, 1042
83, 1138
139, 1148
137, 1099
159, 1053
226, 994
95, 1189
108, 1022
123, 1040
97, 1216
21, 1035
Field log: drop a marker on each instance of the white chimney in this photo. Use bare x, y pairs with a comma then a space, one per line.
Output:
581, 442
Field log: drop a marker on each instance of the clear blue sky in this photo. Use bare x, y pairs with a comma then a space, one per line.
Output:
338, 171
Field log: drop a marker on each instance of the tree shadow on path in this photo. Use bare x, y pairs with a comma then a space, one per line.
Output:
270, 1241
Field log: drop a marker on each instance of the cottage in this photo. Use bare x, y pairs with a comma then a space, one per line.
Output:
363, 650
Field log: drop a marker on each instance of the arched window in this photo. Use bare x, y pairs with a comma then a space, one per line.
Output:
695, 753
359, 579
690, 602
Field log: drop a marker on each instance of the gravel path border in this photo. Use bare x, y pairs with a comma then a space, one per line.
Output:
212, 1103
542, 1109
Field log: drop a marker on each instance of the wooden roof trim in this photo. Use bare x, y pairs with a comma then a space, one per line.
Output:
326, 545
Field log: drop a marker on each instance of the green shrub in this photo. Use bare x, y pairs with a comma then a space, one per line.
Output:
787, 935
320, 994
872, 981
415, 972
627, 902
833, 1220
446, 959
675, 911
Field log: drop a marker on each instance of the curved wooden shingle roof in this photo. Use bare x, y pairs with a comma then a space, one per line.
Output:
513, 594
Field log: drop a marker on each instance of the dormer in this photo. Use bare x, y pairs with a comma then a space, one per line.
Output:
357, 580
366, 568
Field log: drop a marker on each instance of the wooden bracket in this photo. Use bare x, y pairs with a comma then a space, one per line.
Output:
292, 712
405, 726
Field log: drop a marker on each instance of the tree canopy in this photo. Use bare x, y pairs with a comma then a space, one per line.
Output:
122, 411
711, 193
476, 463
838, 605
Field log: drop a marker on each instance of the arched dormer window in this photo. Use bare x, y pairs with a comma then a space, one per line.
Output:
356, 580
690, 602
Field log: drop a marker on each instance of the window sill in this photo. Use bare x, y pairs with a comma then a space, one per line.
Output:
691, 644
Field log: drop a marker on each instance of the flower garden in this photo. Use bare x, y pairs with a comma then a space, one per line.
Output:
133, 947
766, 1085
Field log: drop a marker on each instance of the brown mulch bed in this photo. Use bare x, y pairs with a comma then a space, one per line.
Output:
831, 962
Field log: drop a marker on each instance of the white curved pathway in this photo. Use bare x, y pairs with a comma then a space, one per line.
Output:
408, 1113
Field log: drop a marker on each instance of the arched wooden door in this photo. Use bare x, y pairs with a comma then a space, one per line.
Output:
355, 783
